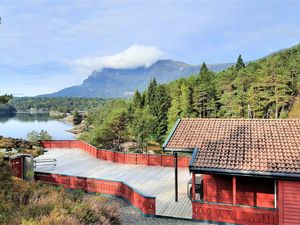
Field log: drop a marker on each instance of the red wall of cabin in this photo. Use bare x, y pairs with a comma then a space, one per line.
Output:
289, 202
249, 191
255, 192
217, 188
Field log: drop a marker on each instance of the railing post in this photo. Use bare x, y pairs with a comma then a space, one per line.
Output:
193, 185
234, 190
176, 176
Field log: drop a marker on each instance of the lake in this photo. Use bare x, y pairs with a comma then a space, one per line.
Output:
21, 124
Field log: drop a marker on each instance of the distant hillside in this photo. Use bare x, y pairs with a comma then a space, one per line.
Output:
55, 104
111, 83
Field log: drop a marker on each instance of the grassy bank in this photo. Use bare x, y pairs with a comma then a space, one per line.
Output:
33, 203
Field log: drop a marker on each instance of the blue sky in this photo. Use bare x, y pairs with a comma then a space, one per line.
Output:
46, 45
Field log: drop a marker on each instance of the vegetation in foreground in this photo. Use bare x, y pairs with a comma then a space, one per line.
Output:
31, 203
20, 145
29, 146
266, 88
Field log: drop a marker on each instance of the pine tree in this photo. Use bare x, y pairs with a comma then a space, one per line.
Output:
240, 100
174, 112
258, 99
142, 127
138, 100
204, 69
204, 94
279, 81
234, 101
151, 96
186, 100
162, 105
240, 63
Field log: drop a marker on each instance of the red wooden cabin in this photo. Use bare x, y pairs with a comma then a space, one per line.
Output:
250, 169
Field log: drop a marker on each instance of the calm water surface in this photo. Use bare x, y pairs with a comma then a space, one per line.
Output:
20, 125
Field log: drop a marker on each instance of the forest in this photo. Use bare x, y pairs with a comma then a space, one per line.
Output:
61, 104
266, 88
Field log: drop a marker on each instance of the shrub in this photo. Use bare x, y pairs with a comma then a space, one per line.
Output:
40, 204
35, 136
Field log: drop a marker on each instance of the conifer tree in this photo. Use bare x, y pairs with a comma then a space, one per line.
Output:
234, 101
258, 100
162, 105
151, 96
142, 127
240, 63
204, 93
138, 100
174, 112
240, 101
279, 81
186, 100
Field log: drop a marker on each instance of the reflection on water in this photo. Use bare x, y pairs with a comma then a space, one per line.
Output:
21, 124
26, 117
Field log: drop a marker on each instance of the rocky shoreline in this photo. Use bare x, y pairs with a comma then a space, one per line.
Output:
20, 145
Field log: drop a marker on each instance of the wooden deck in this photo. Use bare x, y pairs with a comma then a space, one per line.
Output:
151, 180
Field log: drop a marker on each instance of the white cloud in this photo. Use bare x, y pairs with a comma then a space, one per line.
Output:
129, 93
132, 57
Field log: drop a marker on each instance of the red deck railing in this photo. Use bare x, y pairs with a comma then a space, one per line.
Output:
119, 157
146, 204
234, 214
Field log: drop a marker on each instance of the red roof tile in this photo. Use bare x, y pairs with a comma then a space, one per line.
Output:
260, 145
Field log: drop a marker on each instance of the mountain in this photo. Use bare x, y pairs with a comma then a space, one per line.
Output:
112, 83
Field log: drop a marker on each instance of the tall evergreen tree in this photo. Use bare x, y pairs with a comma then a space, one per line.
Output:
234, 101
186, 100
240, 63
279, 81
174, 112
258, 99
204, 94
240, 87
204, 69
162, 105
151, 96
138, 101
142, 127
